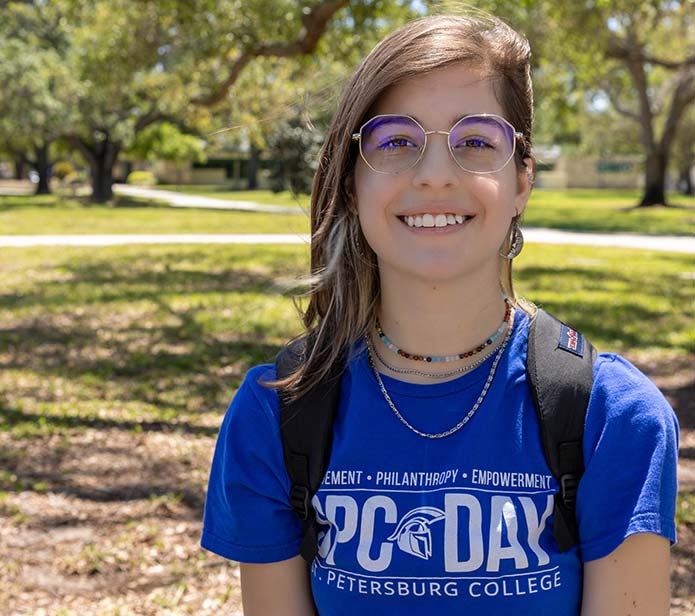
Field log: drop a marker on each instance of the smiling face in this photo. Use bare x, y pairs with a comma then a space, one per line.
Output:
437, 222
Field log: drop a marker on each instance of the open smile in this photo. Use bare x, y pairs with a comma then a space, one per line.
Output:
435, 220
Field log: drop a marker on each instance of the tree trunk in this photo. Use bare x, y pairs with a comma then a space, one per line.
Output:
41, 164
19, 167
102, 160
686, 181
253, 168
655, 179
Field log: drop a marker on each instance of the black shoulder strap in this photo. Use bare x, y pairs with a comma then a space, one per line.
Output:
560, 370
306, 427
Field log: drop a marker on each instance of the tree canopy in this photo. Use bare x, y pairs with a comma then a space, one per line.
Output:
96, 74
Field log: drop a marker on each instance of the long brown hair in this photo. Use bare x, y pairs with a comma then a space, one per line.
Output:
344, 285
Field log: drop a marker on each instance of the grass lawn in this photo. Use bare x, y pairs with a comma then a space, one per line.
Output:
117, 365
607, 211
579, 210
47, 215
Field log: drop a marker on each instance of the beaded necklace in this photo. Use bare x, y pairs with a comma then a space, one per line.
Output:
466, 418
430, 375
446, 358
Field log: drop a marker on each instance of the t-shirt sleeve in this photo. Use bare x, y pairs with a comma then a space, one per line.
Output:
247, 513
629, 484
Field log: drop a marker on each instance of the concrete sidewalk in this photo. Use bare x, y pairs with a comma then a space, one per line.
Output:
541, 236
668, 243
177, 199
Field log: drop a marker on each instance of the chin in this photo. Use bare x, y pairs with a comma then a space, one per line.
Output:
437, 271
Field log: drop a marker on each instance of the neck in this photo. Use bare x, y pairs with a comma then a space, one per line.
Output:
425, 318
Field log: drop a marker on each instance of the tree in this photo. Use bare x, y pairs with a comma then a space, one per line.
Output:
641, 55
294, 147
34, 104
272, 91
164, 141
139, 63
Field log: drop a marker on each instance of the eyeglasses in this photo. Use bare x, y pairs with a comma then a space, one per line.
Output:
481, 143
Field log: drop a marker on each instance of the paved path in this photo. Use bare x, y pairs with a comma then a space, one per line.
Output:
545, 236
548, 236
177, 199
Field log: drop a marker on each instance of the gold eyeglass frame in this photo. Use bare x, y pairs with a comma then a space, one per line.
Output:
517, 135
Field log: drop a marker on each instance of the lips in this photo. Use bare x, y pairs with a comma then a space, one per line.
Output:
434, 220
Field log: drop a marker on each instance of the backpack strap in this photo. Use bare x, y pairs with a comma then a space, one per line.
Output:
306, 427
560, 367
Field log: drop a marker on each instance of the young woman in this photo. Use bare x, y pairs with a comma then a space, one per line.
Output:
438, 498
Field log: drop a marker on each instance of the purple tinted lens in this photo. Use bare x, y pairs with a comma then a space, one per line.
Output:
391, 143
482, 144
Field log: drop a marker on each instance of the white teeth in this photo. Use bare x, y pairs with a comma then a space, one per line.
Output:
431, 220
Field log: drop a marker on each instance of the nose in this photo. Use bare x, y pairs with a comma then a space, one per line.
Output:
437, 168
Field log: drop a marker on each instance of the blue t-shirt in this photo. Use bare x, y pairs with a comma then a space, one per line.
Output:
457, 525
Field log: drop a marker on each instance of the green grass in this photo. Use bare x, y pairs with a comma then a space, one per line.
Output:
128, 336
685, 509
623, 300
578, 210
607, 211
47, 215
602, 210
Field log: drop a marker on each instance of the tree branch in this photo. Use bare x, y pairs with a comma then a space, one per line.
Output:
620, 49
314, 25
633, 115
81, 146
151, 117
683, 96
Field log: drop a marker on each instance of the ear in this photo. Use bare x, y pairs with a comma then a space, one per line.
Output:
525, 179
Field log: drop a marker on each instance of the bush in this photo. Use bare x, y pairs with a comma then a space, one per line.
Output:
141, 178
294, 148
63, 170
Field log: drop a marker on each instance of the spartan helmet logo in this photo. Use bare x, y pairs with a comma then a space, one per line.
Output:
413, 532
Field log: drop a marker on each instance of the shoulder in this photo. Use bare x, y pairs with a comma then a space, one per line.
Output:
630, 449
625, 398
253, 411
621, 388
628, 413
255, 397
248, 517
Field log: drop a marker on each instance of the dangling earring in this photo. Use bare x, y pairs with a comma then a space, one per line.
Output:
516, 240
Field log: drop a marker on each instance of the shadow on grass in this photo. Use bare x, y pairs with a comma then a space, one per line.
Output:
73, 332
610, 305
171, 359
132, 280
87, 326
196, 381
12, 418
23, 469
